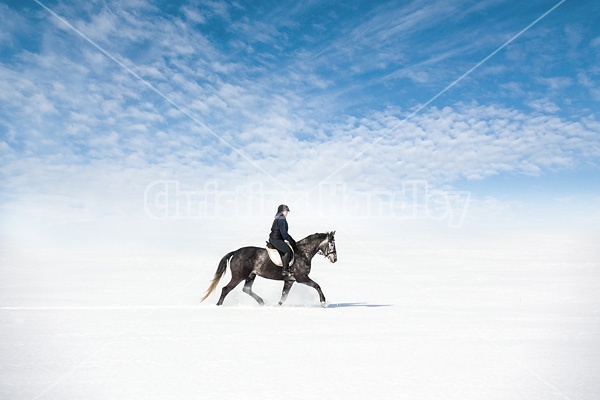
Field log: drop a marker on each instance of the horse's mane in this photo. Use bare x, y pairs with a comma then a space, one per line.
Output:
310, 238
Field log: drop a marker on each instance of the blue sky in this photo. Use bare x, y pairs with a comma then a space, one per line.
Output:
289, 94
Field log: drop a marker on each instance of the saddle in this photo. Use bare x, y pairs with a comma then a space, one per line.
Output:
275, 256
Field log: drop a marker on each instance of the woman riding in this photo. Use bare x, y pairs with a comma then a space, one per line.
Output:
279, 233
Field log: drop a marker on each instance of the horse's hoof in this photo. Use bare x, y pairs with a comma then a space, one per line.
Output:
324, 304
280, 303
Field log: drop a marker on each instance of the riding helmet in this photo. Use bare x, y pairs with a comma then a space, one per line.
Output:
282, 208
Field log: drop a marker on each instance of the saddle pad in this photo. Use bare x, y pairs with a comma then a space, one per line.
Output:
276, 257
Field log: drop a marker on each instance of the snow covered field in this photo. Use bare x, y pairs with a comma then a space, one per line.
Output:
513, 320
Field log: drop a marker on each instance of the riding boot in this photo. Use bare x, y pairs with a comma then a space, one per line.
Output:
286, 266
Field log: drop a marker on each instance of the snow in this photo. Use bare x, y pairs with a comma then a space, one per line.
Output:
486, 321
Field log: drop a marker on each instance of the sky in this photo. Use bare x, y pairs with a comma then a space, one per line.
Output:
144, 116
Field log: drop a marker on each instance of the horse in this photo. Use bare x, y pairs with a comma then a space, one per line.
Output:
248, 262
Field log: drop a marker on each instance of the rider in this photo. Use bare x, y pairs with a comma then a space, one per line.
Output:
279, 233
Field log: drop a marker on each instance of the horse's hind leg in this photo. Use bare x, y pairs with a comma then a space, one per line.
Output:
248, 289
235, 280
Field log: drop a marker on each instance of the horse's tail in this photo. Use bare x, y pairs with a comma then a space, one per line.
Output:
220, 271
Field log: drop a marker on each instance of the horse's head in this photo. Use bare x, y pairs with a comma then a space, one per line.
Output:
328, 248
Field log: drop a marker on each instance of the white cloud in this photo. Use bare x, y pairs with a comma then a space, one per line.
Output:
591, 84
415, 75
468, 142
556, 83
544, 106
13, 25
193, 15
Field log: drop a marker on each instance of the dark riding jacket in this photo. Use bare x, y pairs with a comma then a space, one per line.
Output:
279, 230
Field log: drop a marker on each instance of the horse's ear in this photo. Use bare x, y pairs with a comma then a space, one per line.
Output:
332, 233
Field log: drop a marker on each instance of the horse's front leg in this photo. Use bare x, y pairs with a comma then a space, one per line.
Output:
305, 280
287, 286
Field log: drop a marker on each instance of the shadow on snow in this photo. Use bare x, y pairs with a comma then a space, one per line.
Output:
347, 305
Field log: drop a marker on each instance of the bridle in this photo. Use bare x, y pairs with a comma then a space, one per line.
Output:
330, 249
